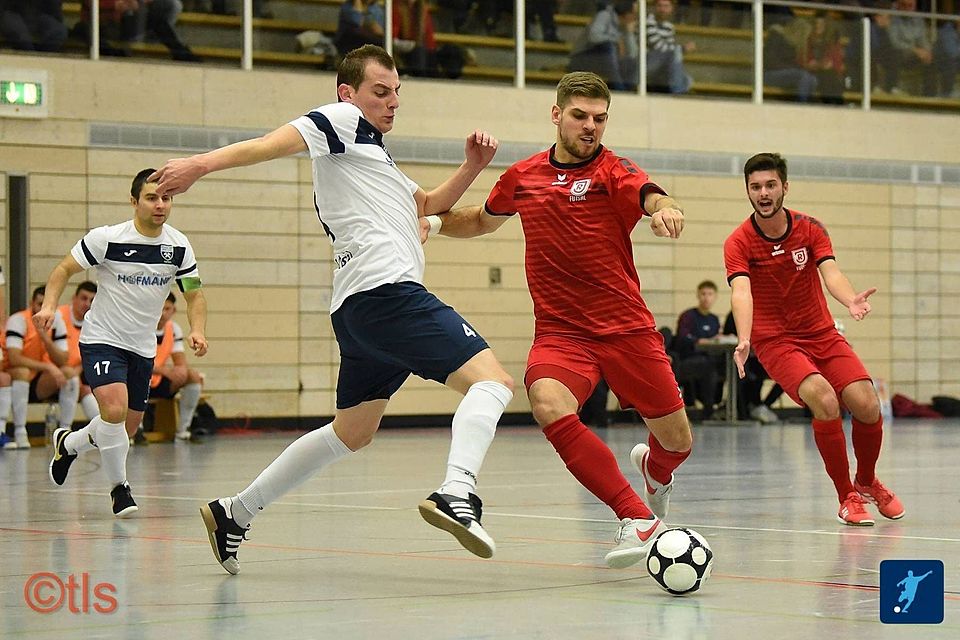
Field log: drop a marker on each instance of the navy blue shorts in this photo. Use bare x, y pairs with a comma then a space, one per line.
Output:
106, 364
389, 332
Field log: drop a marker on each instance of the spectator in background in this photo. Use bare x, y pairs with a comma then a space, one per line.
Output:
664, 53
33, 25
542, 11
751, 386
700, 374
602, 47
361, 22
781, 63
823, 57
946, 59
259, 8
125, 21
413, 40
911, 50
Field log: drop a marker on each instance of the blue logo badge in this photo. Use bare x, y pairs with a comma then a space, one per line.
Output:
911, 591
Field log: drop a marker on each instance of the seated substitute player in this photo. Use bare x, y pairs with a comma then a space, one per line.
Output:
73, 314
39, 370
170, 371
775, 260
578, 203
135, 261
386, 323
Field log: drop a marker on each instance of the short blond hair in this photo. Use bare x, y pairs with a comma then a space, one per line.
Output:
581, 83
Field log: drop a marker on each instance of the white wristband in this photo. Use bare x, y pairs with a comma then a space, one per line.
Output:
436, 222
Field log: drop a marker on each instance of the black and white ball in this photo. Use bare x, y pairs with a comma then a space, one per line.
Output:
680, 561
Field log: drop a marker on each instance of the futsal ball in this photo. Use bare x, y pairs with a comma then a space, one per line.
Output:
680, 561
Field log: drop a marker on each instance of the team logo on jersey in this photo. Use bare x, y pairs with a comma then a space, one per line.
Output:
561, 180
799, 258
166, 252
578, 190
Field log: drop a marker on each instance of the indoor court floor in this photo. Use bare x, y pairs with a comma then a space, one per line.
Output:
347, 555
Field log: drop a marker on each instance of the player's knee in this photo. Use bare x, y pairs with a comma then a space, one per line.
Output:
678, 440
826, 406
113, 413
193, 376
21, 374
546, 412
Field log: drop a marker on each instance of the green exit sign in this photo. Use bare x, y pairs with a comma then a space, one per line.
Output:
24, 93
21, 93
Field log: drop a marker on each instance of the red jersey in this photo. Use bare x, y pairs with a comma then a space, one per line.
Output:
577, 220
788, 298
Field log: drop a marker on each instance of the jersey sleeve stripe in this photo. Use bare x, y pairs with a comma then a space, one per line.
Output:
184, 272
86, 254
486, 209
323, 124
14, 334
824, 259
731, 277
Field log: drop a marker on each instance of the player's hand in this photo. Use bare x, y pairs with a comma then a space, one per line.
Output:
57, 375
740, 355
480, 148
667, 223
424, 229
43, 321
859, 308
176, 176
198, 343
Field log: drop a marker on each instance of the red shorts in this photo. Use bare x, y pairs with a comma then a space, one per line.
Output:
789, 361
634, 364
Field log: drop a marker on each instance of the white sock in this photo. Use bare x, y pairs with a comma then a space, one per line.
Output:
19, 394
4, 407
474, 424
80, 440
69, 393
113, 443
304, 457
90, 407
189, 399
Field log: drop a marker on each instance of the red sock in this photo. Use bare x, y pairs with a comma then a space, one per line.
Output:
867, 439
828, 435
661, 463
594, 466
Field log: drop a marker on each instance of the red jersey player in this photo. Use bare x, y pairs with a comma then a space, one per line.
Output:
578, 203
772, 261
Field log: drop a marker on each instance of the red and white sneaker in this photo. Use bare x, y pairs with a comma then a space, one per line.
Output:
853, 511
887, 502
633, 541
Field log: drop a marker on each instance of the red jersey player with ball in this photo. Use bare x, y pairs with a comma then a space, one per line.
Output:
774, 261
578, 202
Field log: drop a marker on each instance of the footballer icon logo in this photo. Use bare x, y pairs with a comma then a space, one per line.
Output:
799, 257
166, 252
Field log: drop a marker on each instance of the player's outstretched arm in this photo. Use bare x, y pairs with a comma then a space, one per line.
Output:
179, 174
479, 151
741, 302
56, 283
197, 315
463, 222
840, 288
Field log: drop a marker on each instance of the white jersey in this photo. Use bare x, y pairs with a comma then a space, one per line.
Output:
364, 202
134, 273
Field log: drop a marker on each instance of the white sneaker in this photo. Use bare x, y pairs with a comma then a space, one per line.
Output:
656, 495
23, 442
764, 415
633, 541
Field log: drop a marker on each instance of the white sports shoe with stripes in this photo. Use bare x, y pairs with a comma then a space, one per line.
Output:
461, 518
225, 535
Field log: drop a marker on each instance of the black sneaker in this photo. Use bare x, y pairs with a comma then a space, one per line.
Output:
461, 518
123, 504
62, 460
225, 535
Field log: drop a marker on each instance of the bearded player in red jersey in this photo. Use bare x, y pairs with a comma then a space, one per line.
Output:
772, 262
578, 203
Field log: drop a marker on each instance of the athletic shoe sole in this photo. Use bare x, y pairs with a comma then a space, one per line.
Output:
471, 542
231, 565
126, 513
862, 523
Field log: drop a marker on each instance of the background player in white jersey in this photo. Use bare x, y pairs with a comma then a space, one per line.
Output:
39, 369
73, 314
136, 261
387, 324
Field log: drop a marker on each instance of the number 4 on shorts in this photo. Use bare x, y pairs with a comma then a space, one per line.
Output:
467, 331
